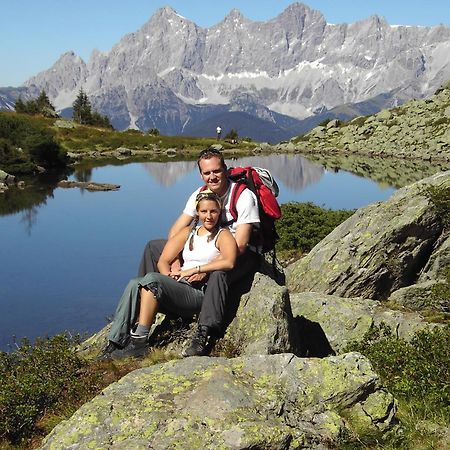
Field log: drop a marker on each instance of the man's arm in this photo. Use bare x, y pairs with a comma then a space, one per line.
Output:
184, 220
242, 236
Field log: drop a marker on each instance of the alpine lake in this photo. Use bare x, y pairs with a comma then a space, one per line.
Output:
67, 254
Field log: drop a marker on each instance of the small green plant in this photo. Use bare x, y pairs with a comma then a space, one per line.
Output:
39, 379
440, 198
417, 371
303, 225
232, 134
153, 132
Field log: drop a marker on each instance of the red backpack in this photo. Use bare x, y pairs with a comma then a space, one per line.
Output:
263, 185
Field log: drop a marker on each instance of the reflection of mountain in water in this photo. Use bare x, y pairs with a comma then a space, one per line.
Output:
167, 173
294, 171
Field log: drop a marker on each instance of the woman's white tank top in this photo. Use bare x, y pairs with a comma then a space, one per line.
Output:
203, 251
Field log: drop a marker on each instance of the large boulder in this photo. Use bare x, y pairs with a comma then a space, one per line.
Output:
274, 401
328, 323
263, 324
381, 248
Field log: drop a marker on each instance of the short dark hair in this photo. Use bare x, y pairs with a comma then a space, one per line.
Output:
209, 153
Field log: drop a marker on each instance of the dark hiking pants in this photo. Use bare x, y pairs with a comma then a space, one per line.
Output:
216, 306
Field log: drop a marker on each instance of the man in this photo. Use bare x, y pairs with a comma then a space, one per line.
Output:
213, 171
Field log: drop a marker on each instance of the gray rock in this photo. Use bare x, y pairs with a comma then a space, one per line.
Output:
6, 178
275, 401
64, 123
123, 151
343, 320
418, 297
263, 324
88, 185
378, 250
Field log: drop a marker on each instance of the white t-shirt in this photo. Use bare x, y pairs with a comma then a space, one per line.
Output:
246, 207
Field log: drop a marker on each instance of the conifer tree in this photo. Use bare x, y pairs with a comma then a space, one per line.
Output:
19, 106
43, 102
82, 111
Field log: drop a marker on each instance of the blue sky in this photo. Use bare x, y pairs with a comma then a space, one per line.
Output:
34, 33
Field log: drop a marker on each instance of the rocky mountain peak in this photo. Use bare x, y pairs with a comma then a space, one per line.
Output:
292, 67
234, 14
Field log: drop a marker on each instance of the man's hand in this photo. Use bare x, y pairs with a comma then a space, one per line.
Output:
196, 277
175, 266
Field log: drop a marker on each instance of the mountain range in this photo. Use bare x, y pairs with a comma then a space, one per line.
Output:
268, 80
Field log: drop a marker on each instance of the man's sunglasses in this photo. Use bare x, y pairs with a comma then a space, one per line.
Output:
209, 151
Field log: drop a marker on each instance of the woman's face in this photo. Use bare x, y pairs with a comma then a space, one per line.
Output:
209, 213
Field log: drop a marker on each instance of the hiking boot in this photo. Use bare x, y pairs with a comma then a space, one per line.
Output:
201, 344
106, 351
136, 348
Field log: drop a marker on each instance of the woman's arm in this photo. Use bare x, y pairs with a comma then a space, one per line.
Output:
172, 249
226, 244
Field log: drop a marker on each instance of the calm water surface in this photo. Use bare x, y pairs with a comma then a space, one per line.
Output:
65, 263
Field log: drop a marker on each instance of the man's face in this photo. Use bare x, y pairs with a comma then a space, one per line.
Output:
214, 175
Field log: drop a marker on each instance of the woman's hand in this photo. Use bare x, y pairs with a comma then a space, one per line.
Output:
189, 275
196, 277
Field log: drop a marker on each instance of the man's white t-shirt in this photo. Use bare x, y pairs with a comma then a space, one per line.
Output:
246, 207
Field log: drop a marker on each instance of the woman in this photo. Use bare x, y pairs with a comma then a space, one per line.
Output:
205, 248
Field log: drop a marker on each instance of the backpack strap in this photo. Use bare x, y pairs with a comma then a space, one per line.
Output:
235, 194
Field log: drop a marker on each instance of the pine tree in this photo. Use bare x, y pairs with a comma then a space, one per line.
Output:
20, 106
82, 111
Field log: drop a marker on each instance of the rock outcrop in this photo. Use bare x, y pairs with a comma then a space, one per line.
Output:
419, 129
276, 401
380, 249
88, 185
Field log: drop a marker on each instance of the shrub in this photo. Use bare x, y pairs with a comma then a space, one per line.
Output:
417, 371
440, 198
35, 139
303, 225
13, 160
38, 379
153, 132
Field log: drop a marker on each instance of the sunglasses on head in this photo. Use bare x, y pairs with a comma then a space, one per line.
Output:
209, 151
207, 195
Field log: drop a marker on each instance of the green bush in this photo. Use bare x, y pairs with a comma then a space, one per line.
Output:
303, 225
440, 198
153, 132
35, 140
417, 371
38, 379
13, 160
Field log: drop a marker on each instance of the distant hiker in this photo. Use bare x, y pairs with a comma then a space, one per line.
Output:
211, 320
219, 132
176, 292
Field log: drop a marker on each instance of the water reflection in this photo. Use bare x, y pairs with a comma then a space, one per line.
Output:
386, 172
168, 173
27, 200
294, 171
83, 174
